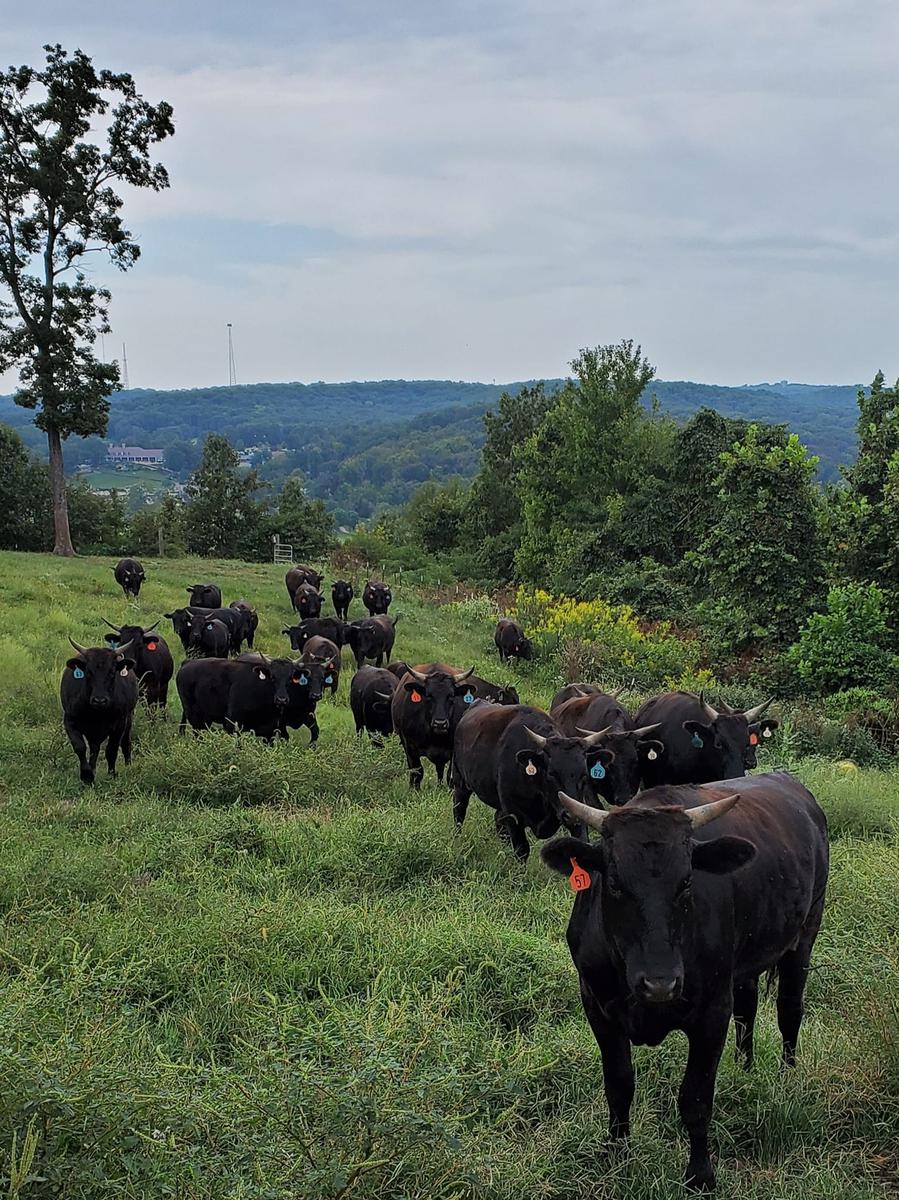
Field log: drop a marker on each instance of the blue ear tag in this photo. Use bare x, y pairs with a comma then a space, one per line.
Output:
697, 741
329, 679
78, 673
303, 680
469, 697
114, 645
598, 771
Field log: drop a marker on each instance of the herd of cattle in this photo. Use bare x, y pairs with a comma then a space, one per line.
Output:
702, 879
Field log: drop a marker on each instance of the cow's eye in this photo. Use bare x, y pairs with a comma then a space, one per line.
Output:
684, 888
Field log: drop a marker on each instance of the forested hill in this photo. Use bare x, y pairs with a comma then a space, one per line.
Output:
363, 445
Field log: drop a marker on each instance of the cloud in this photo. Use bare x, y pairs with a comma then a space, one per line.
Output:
477, 191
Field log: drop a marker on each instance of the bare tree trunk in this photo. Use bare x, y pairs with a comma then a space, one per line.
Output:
62, 536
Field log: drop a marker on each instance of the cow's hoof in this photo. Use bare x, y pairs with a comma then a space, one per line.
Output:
87, 777
700, 1179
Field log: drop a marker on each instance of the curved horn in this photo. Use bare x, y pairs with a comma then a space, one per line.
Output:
579, 691
710, 712
535, 737
461, 678
384, 695
419, 676
150, 628
591, 738
753, 714
726, 709
120, 650
644, 730
262, 658
618, 691
593, 817
111, 626
708, 812
80, 649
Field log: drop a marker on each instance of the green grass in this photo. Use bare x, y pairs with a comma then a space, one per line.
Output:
109, 477
251, 972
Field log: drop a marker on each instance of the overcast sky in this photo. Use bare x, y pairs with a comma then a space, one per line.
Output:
476, 190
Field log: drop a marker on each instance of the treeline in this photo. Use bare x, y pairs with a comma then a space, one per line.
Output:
226, 514
718, 525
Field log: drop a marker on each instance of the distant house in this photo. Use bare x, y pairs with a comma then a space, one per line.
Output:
136, 454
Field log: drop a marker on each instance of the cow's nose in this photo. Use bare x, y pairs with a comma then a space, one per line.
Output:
659, 989
440, 726
100, 701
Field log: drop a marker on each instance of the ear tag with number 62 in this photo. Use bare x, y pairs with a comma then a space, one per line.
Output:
598, 771
697, 741
579, 879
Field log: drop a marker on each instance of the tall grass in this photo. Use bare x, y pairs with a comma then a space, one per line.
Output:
272, 972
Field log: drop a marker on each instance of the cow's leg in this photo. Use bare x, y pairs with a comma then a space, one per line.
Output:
80, 747
461, 796
95, 754
313, 728
416, 770
379, 661
509, 829
112, 749
792, 971
697, 1095
440, 768
617, 1066
746, 1002
126, 743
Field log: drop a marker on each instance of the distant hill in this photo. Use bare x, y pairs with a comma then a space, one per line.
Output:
363, 445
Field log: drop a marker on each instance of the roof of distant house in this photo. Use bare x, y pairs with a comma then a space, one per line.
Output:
130, 450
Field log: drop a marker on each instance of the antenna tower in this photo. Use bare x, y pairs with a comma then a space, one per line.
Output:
232, 369
125, 384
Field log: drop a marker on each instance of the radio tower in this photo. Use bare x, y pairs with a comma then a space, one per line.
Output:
232, 369
124, 369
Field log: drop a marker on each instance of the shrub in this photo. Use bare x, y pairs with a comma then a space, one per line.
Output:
608, 640
848, 645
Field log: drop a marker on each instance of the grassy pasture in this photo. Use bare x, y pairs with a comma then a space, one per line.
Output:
270, 973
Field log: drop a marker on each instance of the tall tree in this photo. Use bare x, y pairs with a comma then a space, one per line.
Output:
57, 205
762, 557
868, 480
223, 520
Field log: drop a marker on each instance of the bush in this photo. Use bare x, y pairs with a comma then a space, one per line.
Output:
608, 640
848, 645
651, 588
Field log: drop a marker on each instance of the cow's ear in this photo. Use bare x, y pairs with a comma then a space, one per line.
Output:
600, 755
699, 730
412, 685
558, 854
650, 748
722, 855
125, 664
72, 663
111, 637
531, 761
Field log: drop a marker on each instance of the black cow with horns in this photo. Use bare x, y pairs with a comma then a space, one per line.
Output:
129, 575
701, 743
424, 714
690, 895
98, 692
153, 664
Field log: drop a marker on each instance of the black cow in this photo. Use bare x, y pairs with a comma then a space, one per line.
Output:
250, 618
205, 595
701, 744
129, 575
98, 692
510, 641
153, 665
610, 725
326, 654
297, 576
208, 637
239, 695
371, 695
372, 637
514, 758
328, 627
424, 713
341, 595
181, 619
689, 896
297, 687
376, 597
578, 689
398, 668
307, 600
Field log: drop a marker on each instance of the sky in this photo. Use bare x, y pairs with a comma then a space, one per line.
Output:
475, 191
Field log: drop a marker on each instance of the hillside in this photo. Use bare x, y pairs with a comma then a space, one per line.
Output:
272, 972
366, 445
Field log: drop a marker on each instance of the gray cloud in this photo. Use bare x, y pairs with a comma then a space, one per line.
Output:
389, 190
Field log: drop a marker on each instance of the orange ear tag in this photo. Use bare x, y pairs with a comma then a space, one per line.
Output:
415, 697
152, 645
579, 879
753, 739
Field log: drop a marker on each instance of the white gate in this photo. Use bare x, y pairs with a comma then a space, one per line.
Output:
281, 551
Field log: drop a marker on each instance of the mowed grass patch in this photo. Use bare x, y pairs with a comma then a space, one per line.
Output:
249, 971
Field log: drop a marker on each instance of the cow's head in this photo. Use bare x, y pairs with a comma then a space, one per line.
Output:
558, 763
180, 618
728, 740
434, 694
138, 637
643, 866
341, 590
378, 596
307, 600
200, 624
298, 636
631, 749
310, 677
95, 671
